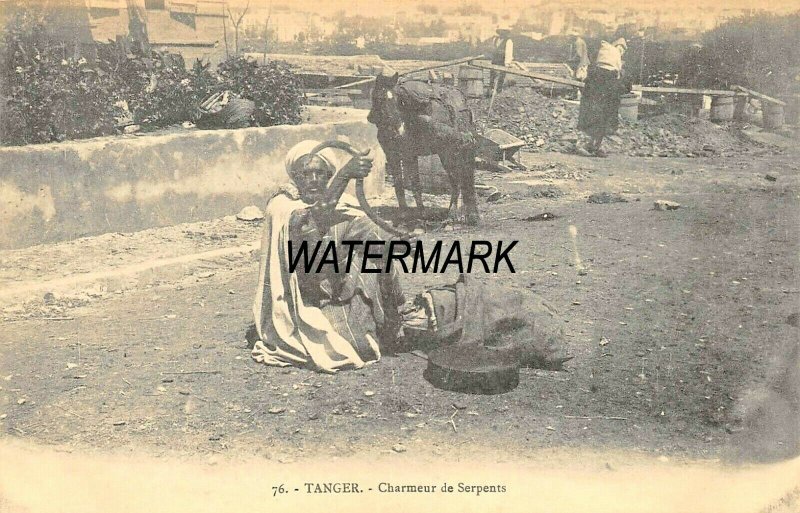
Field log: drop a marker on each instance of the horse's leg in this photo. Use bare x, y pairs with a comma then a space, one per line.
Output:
466, 178
450, 165
394, 167
452, 211
411, 168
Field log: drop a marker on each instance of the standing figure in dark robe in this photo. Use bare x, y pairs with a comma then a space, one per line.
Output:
600, 101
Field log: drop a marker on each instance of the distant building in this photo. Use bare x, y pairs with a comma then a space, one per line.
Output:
284, 25
193, 28
536, 36
473, 28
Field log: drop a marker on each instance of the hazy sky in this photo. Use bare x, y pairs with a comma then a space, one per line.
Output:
378, 7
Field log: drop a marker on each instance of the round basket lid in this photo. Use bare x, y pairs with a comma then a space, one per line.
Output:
472, 369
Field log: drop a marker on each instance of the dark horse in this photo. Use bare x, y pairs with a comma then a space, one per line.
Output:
415, 119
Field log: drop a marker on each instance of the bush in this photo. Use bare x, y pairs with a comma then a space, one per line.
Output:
273, 87
166, 94
45, 96
759, 51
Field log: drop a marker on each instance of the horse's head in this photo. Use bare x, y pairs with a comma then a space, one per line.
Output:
385, 112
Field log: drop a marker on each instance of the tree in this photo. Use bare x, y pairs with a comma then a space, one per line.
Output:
236, 20
137, 25
760, 51
470, 9
428, 9
266, 30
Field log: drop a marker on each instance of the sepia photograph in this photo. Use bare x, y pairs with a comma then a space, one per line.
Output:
455, 255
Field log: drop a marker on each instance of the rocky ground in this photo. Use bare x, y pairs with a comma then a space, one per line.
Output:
549, 124
683, 324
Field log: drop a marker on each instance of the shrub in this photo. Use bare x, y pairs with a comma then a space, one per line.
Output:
165, 94
273, 87
760, 51
46, 96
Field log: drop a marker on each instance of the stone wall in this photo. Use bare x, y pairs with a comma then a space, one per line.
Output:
57, 192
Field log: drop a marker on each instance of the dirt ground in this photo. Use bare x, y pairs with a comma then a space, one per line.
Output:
681, 327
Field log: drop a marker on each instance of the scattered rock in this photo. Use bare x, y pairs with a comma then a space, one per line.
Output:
251, 213
275, 410
545, 216
549, 124
606, 197
771, 178
793, 320
131, 129
666, 205
399, 448
494, 196
21, 401
120, 422
369, 393
604, 341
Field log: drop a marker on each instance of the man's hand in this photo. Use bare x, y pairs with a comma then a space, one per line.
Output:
358, 167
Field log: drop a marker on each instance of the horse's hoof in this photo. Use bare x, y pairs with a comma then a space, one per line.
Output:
473, 219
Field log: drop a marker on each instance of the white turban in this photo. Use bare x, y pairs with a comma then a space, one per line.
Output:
304, 148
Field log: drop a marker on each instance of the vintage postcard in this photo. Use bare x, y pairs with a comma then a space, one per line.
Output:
271, 255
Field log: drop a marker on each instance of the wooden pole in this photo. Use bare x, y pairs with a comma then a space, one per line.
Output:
759, 95
357, 82
442, 64
683, 90
529, 74
494, 93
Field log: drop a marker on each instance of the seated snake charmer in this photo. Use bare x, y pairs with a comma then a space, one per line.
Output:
344, 317
324, 320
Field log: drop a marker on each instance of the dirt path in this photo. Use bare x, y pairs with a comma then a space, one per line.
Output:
691, 307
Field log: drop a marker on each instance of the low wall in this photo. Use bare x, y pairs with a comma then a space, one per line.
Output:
56, 192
